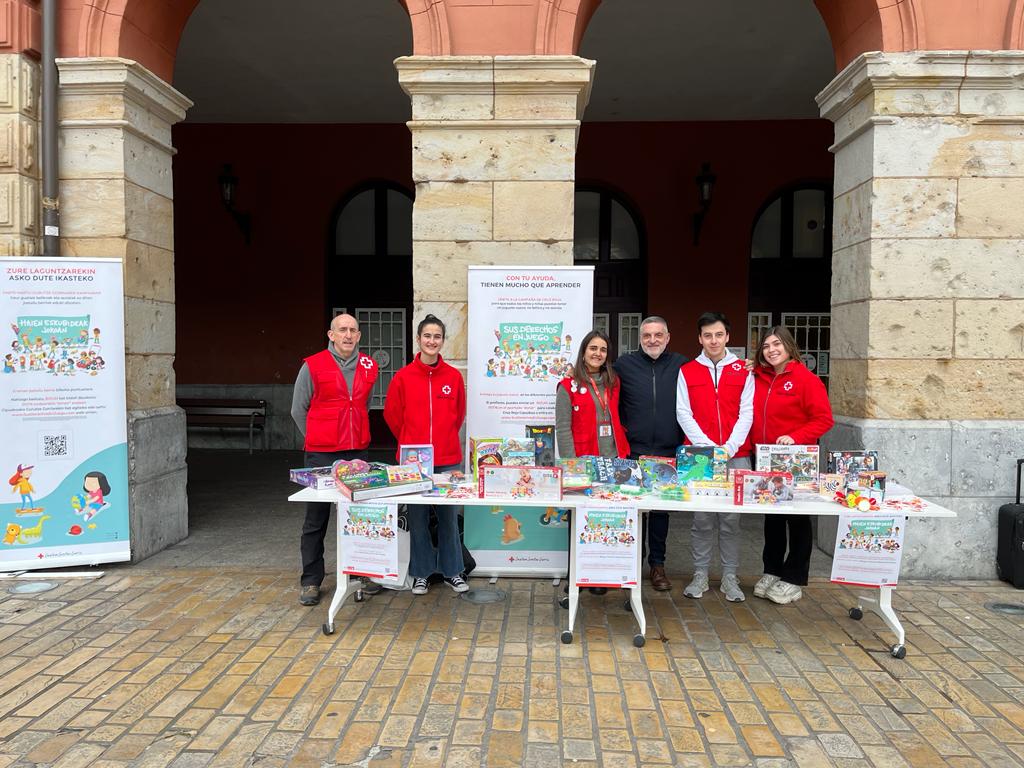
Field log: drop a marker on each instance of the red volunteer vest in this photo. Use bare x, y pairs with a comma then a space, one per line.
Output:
584, 421
716, 411
337, 419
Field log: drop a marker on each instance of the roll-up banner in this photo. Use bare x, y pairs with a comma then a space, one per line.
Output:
64, 452
525, 325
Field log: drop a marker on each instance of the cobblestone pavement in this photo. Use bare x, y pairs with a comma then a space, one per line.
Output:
222, 667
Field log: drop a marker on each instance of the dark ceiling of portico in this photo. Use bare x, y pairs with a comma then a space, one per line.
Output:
330, 61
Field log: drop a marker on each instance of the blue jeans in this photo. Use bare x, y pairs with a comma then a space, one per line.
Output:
424, 558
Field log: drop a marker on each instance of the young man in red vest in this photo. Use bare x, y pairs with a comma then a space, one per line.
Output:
329, 408
715, 406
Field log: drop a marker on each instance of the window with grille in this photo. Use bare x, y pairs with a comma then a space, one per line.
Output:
629, 332
812, 332
383, 339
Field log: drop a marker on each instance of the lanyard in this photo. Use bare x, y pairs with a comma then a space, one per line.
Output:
602, 401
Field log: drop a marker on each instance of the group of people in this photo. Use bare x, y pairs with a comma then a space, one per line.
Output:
647, 402
650, 401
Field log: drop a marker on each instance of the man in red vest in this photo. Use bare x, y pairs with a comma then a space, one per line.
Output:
715, 406
329, 408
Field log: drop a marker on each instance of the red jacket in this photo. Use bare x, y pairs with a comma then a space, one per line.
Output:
584, 421
338, 420
716, 410
427, 404
793, 403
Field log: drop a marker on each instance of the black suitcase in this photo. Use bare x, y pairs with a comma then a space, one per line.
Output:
1010, 547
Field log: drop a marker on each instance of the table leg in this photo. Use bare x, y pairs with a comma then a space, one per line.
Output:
574, 591
882, 606
346, 586
635, 604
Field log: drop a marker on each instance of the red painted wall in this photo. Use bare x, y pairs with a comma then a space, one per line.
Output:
655, 164
248, 315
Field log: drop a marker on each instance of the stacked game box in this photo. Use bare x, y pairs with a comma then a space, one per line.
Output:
753, 487
800, 461
318, 478
540, 483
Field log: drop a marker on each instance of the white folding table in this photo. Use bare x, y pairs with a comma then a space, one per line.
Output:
880, 604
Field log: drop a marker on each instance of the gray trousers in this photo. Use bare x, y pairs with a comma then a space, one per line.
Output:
703, 531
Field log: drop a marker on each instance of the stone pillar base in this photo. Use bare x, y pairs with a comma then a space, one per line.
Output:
157, 474
968, 466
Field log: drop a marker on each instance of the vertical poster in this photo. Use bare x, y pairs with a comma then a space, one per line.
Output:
368, 540
525, 326
607, 549
868, 550
64, 453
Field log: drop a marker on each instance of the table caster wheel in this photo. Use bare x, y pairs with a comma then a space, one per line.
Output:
328, 628
628, 606
639, 641
898, 651
856, 614
563, 602
566, 637
358, 597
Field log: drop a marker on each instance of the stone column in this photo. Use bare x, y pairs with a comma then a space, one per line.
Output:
928, 287
19, 162
116, 201
494, 162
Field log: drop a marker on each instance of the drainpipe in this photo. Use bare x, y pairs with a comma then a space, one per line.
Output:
51, 180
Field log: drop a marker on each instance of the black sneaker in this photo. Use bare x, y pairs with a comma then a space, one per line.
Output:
309, 594
457, 583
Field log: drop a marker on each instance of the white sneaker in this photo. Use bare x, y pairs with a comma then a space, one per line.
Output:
419, 586
731, 588
698, 586
783, 593
764, 584
457, 583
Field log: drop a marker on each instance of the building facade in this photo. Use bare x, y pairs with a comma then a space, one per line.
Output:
916, 164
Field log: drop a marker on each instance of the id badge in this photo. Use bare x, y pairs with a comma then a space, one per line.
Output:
604, 430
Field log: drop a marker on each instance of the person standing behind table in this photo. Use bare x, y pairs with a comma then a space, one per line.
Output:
329, 408
587, 408
714, 406
647, 407
790, 407
426, 403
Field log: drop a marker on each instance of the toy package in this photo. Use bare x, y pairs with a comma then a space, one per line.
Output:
711, 488
627, 472
577, 474
518, 452
830, 483
658, 472
540, 483
872, 483
484, 451
404, 473
380, 483
852, 463
754, 487
317, 478
801, 461
705, 462
543, 444
418, 454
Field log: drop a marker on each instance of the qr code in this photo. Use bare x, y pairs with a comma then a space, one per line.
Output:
54, 446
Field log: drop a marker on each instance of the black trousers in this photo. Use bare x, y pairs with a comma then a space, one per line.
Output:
794, 566
318, 515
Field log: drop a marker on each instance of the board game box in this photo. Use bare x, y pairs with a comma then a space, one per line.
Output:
540, 483
318, 478
852, 463
801, 461
483, 451
658, 471
701, 462
754, 487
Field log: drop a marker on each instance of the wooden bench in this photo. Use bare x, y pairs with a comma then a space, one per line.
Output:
215, 413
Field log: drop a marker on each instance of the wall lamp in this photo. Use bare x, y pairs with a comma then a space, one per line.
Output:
705, 188
228, 187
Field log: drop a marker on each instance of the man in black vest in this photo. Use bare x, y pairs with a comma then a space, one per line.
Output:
647, 409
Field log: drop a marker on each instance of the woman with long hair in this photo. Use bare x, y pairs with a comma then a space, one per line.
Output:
426, 403
790, 408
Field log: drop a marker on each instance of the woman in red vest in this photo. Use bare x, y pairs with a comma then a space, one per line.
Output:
426, 403
587, 408
790, 408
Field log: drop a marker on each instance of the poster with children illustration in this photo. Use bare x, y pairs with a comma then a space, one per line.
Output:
62, 385
368, 537
606, 546
869, 549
